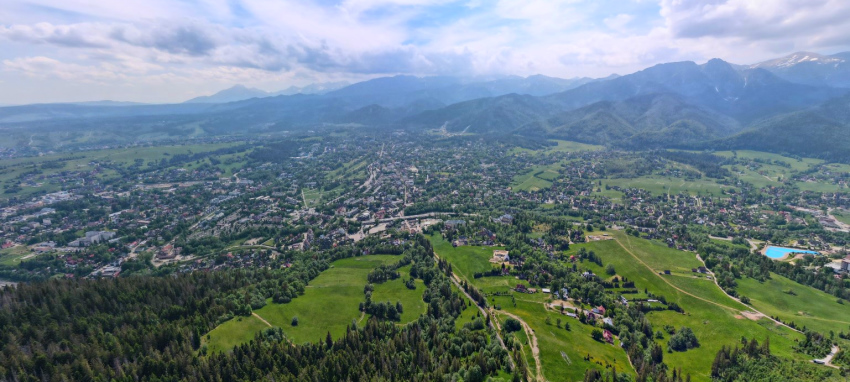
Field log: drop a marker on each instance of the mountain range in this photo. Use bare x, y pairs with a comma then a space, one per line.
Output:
767, 106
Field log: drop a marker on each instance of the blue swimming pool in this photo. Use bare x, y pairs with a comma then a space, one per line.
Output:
780, 252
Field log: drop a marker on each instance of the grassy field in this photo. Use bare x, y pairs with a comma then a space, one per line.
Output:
234, 332
842, 215
466, 260
658, 185
563, 352
807, 306
329, 304
539, 177
714, 318
395, 291
797, 165
563, 146
13, 255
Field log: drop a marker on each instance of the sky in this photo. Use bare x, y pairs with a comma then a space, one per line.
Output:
172, 50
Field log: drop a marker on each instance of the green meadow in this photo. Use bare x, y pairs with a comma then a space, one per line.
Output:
329, 304
791, 301
466, 260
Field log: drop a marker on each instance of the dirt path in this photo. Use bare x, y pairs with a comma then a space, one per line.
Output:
749, 307
261, 319
700, 298
532, 338
827, 361
667, 282
456, 280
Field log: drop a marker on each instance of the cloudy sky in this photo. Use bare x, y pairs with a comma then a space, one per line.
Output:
172, 50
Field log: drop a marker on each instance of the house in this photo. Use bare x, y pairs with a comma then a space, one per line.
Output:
505, 219
608, 321
546, 290
600, 310
500, 256
453, 224
845, 264
608, 337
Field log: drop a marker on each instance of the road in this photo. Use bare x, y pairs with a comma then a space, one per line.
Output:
827, 361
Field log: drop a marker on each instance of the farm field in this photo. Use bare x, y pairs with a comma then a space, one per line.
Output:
806, 306
715, 319
329, 304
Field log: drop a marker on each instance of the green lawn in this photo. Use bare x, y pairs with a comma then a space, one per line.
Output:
329, 304
807, 306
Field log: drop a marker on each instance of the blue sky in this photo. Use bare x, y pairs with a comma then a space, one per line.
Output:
172, 50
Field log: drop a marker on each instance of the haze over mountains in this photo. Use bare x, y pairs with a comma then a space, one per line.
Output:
671, 105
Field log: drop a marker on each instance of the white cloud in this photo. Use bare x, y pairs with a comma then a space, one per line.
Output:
619, 22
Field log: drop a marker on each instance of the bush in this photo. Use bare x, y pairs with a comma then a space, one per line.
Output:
609, 269
512, 325
683, 340
596, 334
295, 321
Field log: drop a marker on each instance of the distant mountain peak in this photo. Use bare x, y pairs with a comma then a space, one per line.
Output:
798, 58
231, 94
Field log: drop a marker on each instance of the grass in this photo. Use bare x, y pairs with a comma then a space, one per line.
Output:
329, 304
466, 260
562, 146
842, 216
538, 178
562, 352
234, 332
659, 185
395, 291
715, 324
12, 256
797, 165
807, 306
